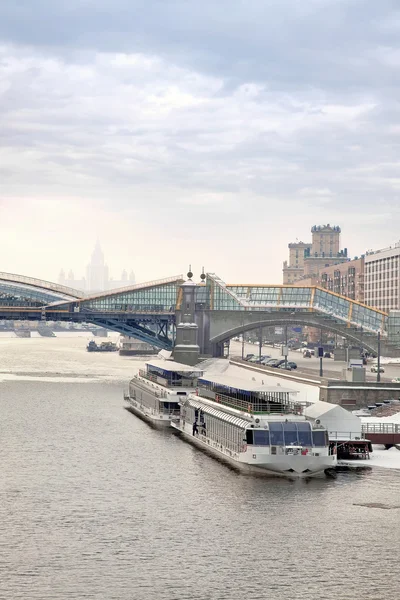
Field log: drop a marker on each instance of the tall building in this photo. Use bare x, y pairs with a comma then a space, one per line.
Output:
97, 276
324, 249
307, 260
294, 270
382, 278
97, 271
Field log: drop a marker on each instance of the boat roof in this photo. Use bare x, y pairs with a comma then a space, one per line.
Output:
173, 367
235, 383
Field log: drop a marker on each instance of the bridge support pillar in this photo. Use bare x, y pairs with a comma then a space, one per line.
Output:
186, 348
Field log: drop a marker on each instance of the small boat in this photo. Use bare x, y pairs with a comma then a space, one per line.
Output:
154, 393
103, 347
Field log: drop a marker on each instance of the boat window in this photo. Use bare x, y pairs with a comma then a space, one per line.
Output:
261, 437
319, 437
304, 434
249, 436
290, 431
276, 434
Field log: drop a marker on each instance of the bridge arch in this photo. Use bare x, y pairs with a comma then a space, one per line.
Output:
357, 336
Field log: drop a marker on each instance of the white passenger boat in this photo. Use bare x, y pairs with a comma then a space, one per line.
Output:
256, 428
154, 393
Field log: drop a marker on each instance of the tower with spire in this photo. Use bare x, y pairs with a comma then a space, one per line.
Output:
97, 275
97, 271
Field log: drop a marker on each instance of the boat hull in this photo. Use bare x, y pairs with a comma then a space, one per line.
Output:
292, 467
148, 414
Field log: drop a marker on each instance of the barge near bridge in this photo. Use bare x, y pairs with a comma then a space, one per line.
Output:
387, 434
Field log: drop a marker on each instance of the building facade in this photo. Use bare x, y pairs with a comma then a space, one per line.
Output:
294, 269
346, 279
97, 276
308, 260
382, 278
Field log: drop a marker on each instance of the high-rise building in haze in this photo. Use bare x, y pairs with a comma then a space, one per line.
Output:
97, 276
97, 271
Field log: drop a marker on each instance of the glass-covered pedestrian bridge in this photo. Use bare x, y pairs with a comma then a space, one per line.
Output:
161, 298
271, 298
21, 291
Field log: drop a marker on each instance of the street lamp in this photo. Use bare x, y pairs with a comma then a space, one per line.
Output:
321, 354
286, 347
378, 374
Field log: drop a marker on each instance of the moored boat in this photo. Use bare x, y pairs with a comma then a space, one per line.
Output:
154, 393
103, 347
256, 428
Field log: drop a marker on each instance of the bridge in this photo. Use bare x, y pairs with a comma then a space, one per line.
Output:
150, 311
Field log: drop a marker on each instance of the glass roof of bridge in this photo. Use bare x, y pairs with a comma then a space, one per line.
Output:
18, 294
281, 297
56, 290
154, 296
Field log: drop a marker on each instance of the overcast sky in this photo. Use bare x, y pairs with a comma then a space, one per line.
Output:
210, 132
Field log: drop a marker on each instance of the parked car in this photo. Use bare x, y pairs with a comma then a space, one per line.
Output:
283, 366
292, 364
265, 360
273, 362
396, 380
327, 355
254, 359
279, 362
248, 356
374, 369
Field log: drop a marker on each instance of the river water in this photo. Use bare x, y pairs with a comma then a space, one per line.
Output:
94, 503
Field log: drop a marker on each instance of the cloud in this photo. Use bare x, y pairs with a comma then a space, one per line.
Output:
210, 123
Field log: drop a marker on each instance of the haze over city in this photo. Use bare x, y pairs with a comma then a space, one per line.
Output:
213, 133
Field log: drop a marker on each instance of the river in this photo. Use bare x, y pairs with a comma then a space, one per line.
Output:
95, 504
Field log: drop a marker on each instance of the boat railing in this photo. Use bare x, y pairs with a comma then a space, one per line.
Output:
261, 407
155, 391
380, 428
187, 383
341, 436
